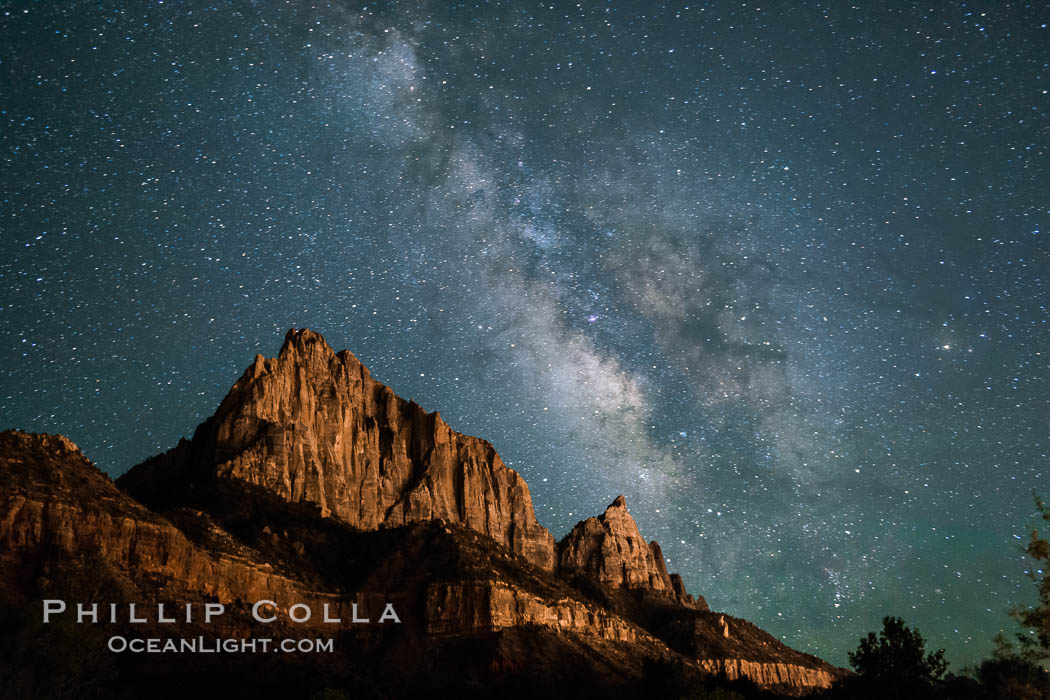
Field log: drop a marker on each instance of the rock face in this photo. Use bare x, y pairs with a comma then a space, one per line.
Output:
313, 484
313, 426
611, 550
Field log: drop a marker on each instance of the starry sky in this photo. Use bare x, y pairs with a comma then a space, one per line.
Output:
778, 276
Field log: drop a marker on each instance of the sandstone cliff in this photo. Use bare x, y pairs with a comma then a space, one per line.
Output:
313, 426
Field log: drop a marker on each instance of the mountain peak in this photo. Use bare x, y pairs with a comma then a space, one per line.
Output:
611, 550
313, 426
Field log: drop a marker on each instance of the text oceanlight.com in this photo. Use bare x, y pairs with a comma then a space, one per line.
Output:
211, 645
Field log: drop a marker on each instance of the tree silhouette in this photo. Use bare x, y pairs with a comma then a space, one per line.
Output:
1016, 671
1010, 676
897, 656
1034, 644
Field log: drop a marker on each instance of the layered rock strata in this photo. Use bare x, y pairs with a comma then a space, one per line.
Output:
770, 674
487, 606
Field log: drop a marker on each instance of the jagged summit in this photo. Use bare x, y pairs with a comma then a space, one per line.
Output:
302, 337
610, 549
306, 344
312, 425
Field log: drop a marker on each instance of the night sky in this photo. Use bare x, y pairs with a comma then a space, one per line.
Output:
779, 277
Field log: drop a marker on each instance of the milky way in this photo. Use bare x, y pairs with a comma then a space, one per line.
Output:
779, 277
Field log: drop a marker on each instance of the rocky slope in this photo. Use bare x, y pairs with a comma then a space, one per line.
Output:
314, 484
54, 503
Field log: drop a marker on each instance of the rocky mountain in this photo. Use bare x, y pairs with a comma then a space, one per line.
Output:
315, 488
313, 426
